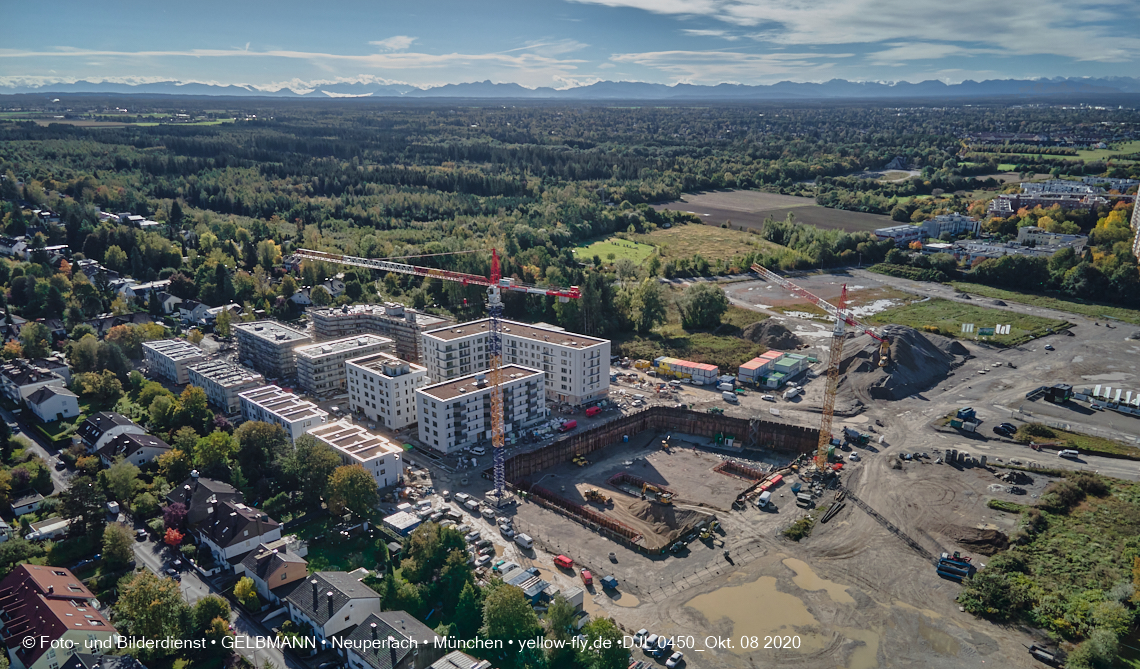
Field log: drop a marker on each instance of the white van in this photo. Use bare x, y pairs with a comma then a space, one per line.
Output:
764, 500
729, 397
1069, 453
523, 540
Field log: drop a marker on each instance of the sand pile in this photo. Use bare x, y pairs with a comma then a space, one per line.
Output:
773, 335
666, 520
918, 362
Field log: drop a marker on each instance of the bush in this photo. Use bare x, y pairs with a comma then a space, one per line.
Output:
800, 529
1090, 483
1061, 496
157, 527
1035, 430
1008, 507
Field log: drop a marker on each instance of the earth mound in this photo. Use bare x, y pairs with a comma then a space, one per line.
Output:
986, 542
998, 303
918, 362
773, 335
667, 520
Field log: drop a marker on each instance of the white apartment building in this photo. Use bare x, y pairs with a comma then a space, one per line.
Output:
379, 456
271, 404
382, 387
170, 357
404, 325
901, 235
224, 382
457, 413
950, 224
267, 346
576, 367
321, 369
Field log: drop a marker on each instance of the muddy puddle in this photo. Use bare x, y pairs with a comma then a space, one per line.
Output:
759, 609
807, 579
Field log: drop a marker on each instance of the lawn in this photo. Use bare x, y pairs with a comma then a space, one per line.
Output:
331, 551
1092, 310
946, 317
1105, 154
620, 248
723, 347
1082, 442
706, 241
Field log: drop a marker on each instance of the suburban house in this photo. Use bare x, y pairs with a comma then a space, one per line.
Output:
52, 403
301, 297
20, 378
104, 426
42, 603
370, 644
168, 302
332, 601
275, 568
457, 659
137, 449
232, 529
192, 311
198, 495
26, 502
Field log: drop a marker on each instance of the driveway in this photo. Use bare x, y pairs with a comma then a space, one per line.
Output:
59, 479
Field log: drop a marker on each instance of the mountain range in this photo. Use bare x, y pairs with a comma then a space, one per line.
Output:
629, 90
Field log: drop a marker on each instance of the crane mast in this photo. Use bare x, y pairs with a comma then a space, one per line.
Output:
495, 285
843, 318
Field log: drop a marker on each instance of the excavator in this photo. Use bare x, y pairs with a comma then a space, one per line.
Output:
595, 495
660, 495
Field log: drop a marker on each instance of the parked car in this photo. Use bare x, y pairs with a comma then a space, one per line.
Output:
464, 528
563, 562
482, 560
675, 660
488, 513
478, 450
472, 537
639, 638
1049, 347
140, 535
506, 531
650, 643
60, 465
1009, 426
487, 550
173, 573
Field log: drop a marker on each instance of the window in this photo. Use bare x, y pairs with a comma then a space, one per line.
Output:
284, 576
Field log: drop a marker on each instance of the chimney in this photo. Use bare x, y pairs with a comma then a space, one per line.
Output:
329, 594
392, 650
314, 584
373, 626
51, 589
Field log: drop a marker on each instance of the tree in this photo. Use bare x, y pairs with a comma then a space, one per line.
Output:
508, 616
702, 305
213, 452
195, 336
145, 505
174, 516
17, 550
644, 305
468, 612
35, 339
560, 625
610, 654
262, 445
173, 537
12, 350
184, 439
121, 480
353, 488
309, 467
115, 259
246, 593
83, 502
193, 409
222, 324
208, 609
175, 464
118, 545
151, 607
320, 296
83, 354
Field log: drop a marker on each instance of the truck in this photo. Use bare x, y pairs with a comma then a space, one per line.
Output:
764, 499
792, 392
524, 541
729, 397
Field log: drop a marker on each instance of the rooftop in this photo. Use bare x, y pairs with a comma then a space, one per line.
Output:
20, 372
285, 405
355, 440
48, 392
341, 345
225, 373
176, 349
378, 362
390, 310
339, 586
468, 384
515, 329
272, 331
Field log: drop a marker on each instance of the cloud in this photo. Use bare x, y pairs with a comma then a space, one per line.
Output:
906, 52
711, 33
551, 47
720, 66
1083, 30
396, 43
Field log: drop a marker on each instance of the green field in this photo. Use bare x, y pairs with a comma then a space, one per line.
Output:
707, 241
620, 248
1082, 442
1087, 309
946, 317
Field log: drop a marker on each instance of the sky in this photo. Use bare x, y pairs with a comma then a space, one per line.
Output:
563, 43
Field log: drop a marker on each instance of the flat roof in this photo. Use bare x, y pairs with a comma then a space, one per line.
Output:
341, 345
380, 311
515, 329
355, 441
272, 331
284, 405
447, 390
225, 374
177, 349
376, 361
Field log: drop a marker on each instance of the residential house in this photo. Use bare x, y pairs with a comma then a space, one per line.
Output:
457, 659
26, 502
302, 297
6, 532
199, 494
393, 640
143, 290
335, 286
103, 323
48, 614
331, 602
275, 569
12, 246
169, 302
137, 449
52, 403
232, 529
20, 378
192, 311
104, 426
56, 362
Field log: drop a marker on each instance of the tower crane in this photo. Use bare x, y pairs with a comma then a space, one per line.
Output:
495, 285
842, 318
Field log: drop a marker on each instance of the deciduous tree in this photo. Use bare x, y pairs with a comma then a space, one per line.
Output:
352, 488
118, 545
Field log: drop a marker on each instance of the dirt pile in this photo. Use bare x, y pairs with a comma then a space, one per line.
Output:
666, 520
918, 362
985, 542
773, 335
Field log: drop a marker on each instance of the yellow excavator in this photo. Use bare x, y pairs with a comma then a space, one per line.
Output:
658, 494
